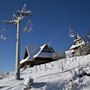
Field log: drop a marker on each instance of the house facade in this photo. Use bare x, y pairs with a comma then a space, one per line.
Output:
75, 49
36, 56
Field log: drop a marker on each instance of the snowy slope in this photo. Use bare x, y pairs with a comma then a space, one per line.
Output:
65, 74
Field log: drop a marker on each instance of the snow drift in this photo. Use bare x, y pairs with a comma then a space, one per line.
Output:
64, 74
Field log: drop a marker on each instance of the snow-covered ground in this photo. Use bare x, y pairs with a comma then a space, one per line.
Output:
64, 74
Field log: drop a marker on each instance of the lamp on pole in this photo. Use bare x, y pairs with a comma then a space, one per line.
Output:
20, 15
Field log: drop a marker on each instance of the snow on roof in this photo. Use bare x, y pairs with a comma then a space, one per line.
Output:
32, 51
41, 48
24, 60
36, 52
78, 45
69, 53
78, 37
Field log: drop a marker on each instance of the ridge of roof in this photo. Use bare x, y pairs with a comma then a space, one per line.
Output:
41, 48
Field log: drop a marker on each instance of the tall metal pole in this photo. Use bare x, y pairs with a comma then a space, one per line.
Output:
17, 51
21, 14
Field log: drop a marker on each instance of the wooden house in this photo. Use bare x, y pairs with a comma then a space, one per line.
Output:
76, 47
35, 56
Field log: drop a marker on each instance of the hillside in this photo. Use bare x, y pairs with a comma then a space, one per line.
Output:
65, 74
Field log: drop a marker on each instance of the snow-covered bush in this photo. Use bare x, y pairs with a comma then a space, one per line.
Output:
28, 82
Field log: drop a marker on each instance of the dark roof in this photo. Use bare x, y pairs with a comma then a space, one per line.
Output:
36, 51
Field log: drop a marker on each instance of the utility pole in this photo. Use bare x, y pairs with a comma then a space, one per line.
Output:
20, 15
18, 51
